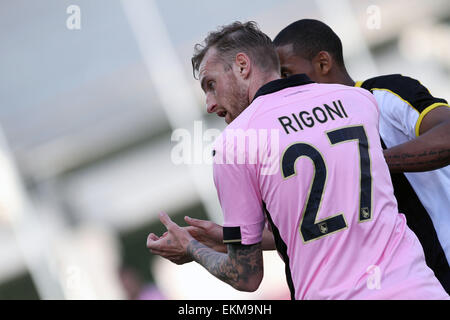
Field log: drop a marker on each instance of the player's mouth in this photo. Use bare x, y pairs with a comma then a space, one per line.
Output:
222, 114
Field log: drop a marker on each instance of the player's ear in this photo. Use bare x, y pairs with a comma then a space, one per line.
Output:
322, 62
243, 65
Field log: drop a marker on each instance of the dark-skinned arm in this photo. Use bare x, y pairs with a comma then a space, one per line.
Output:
429, 151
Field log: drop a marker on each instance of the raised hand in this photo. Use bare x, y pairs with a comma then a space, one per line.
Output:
207, 232
173, 244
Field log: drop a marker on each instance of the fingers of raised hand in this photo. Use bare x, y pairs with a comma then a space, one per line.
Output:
193, 231
153, 237
166, 221
197, 222
153, 242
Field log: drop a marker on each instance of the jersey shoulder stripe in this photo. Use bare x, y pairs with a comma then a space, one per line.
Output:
408, 89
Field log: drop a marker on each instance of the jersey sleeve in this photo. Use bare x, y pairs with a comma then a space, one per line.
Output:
417, 100
239, 196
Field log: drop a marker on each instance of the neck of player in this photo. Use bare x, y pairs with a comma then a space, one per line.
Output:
260, 80
342, 77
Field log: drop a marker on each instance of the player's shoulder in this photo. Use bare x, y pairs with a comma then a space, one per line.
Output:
411, 91
330, 87
239, 130
396, 83
351, 90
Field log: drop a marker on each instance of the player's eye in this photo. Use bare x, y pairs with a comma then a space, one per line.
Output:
211, 85
285, 74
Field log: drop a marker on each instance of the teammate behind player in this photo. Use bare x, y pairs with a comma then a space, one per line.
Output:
414, 126
330, 204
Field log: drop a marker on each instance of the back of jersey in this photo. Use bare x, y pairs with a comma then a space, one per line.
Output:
331, 204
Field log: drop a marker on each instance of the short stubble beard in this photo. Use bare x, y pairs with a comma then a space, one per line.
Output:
239, 99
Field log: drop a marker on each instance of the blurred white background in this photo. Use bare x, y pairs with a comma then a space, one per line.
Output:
87, 112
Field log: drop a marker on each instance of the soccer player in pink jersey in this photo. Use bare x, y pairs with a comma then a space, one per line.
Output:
414, 127
321, 182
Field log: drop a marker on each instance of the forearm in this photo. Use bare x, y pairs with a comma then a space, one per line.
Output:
268, 241
427, 152
220, 247
217, 263
242, 270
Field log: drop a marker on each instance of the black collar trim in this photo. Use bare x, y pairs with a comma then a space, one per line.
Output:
280, 84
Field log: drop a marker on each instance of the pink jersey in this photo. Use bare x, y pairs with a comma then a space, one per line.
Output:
311, 164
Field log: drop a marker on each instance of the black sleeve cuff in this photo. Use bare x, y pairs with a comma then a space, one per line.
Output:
232, 235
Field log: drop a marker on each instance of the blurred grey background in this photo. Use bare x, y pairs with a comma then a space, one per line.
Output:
87, 115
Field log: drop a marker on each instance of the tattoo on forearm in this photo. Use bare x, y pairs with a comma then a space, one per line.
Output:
425, 158
234, 268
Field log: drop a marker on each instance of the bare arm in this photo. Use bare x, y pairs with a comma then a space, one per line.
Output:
429, 151
241, 267
268, 241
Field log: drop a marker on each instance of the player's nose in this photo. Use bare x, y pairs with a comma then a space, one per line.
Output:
211, 105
